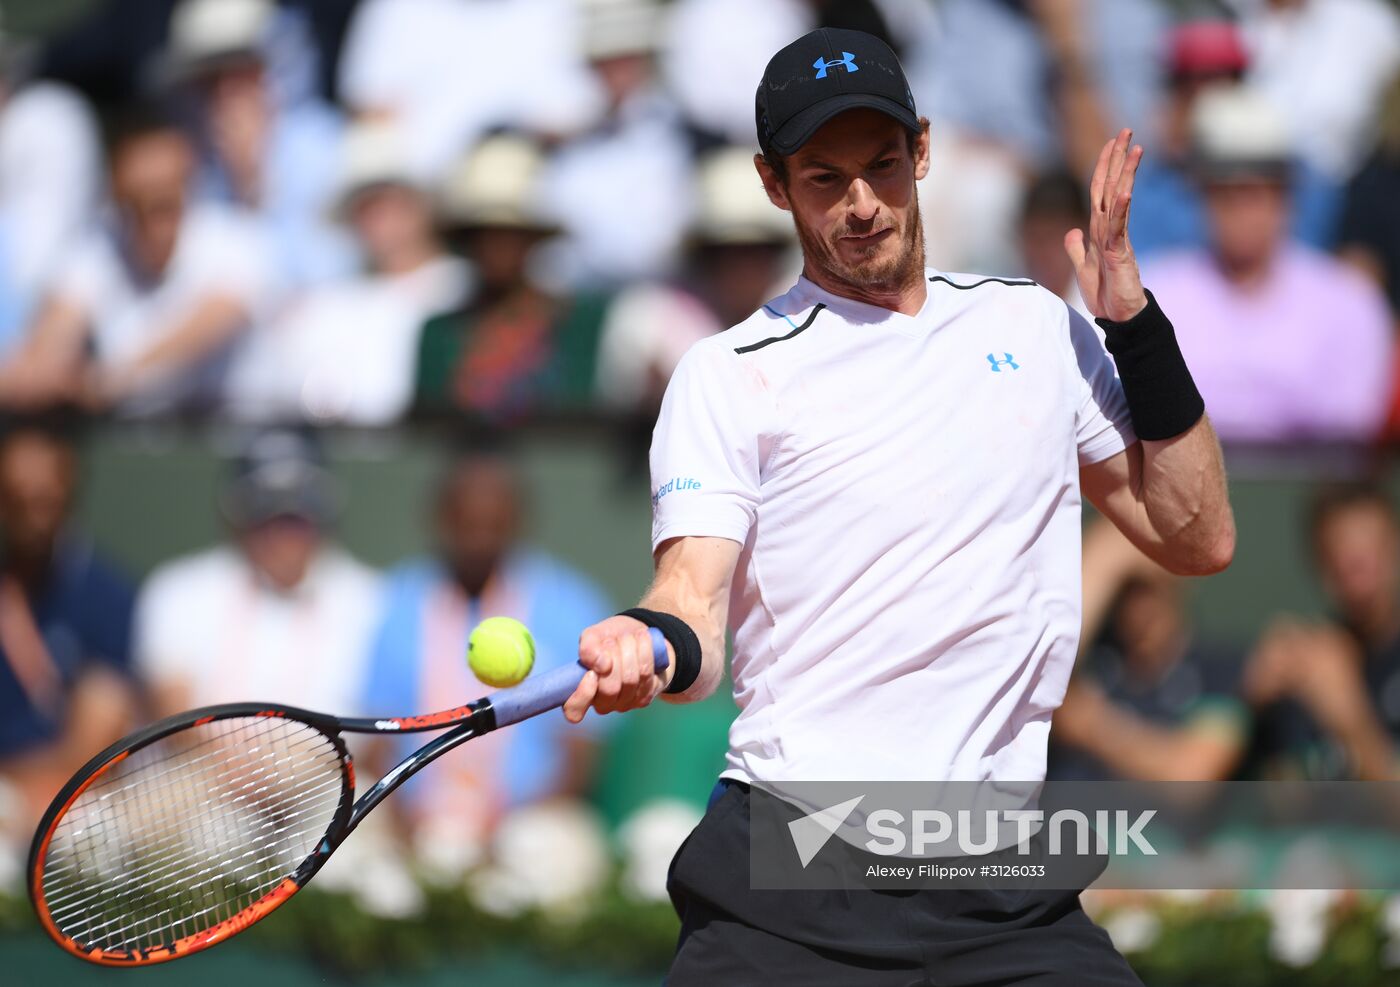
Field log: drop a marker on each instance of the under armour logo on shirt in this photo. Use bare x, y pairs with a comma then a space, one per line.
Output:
846, 59
998, 364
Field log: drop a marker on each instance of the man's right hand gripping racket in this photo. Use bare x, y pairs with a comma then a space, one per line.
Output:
188, 832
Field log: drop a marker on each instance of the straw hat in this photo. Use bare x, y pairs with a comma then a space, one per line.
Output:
1236, 133
372, 154
204, 33
614, 28
496, 185
732, 208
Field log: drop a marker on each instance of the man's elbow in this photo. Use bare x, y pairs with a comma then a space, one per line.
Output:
1208, 556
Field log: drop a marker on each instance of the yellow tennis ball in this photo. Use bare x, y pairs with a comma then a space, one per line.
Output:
501, 651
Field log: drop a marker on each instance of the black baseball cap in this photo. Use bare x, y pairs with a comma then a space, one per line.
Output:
825, 73
280, 473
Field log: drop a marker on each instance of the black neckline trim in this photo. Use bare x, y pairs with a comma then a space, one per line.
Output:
1022, 283
778, 339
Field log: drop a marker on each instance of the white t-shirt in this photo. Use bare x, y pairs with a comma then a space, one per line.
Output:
906, 491
1326, 65
219, 251
450, 70
50, 166
648, 328
715, 53
638, 164
207, 621
347, 351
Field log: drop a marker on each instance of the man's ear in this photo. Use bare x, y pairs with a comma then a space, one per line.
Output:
771, 183
922, 158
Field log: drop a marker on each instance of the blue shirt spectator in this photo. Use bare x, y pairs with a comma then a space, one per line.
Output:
989, 71
422, 645
418, 660
65, 626
261, 148
82, 611
1168, 208
1169, 213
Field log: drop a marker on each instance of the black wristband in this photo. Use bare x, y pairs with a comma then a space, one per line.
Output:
1162, 397
682, 640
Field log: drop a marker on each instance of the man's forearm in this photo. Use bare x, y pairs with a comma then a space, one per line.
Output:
1369, 749
1185, 497
212, 324
709, 629
693, 577
1137, 749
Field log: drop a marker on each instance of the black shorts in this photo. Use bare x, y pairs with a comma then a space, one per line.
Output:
735, 936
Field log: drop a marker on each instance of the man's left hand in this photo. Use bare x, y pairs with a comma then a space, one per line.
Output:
1103, 260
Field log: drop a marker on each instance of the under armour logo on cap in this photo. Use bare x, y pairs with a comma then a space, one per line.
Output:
846, 59
804, 86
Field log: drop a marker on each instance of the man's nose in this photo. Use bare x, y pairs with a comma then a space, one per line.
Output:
862, 202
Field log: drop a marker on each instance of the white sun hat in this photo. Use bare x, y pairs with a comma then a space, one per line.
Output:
373, 153
204, 33
496, 185
613, 28
731, 206
1237, 133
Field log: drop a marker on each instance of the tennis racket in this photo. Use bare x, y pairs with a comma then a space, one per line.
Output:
188, 832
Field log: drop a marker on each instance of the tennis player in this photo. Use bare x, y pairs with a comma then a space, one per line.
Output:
875, 483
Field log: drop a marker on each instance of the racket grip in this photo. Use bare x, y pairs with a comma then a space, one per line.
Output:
535, 696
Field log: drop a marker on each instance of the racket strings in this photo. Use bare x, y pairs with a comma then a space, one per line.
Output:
189, 831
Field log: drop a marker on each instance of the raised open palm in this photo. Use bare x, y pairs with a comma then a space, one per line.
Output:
1103, 260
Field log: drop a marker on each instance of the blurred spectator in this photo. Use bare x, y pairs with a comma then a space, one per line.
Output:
113, 51
107, 52
1168, 211
515, 347
345, 351
1014, 88
146, 314
1325, 64
480, 569
713, 67
450, 71
1331, 691
50, 169
1055, 203
1284, 342
1369, 237
1156, 702
734, 259
65, 622
280, 613
269, 158
621, 188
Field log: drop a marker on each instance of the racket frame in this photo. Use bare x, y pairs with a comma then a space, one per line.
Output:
99, 765
503, 708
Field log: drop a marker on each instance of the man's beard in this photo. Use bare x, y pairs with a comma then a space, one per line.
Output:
870, 275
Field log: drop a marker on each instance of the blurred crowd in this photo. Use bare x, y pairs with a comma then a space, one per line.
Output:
288, 215
365, 212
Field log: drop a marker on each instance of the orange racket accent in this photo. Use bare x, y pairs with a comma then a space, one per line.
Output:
261, 791
433, 719
36, 879
190, 944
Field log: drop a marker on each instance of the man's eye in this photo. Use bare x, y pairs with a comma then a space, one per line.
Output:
886, 164
824, 179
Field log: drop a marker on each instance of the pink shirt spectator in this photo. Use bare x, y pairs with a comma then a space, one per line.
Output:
1305, 356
